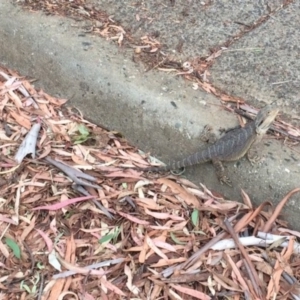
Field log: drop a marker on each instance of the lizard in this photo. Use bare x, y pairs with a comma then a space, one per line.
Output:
232, 146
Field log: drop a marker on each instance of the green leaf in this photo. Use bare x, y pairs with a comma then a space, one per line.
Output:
81, 140
112, 235
25, 287
195, 217
14, 247
174, 238
83, 135
83, 130
107, 238
34, 289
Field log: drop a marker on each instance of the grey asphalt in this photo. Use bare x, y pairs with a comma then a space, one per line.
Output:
159, 112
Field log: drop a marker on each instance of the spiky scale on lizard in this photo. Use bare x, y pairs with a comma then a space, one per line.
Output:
230, 147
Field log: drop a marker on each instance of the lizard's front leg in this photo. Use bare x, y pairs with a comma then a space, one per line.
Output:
253, 155
220, 171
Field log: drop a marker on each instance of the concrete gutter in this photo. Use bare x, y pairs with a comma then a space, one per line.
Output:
155, 111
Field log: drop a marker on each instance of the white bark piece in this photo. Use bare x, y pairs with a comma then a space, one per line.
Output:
29, 143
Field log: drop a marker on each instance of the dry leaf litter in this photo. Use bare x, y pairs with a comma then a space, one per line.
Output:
79, 222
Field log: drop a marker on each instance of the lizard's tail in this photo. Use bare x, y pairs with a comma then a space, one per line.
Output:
193, 159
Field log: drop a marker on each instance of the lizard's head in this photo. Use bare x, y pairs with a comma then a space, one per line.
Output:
265, 117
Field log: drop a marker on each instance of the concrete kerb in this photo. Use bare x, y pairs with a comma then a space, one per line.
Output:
114, 92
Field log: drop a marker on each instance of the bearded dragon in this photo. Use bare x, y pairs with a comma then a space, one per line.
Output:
230, 147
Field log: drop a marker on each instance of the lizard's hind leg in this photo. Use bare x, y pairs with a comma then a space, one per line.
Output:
207, 135
220, 171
